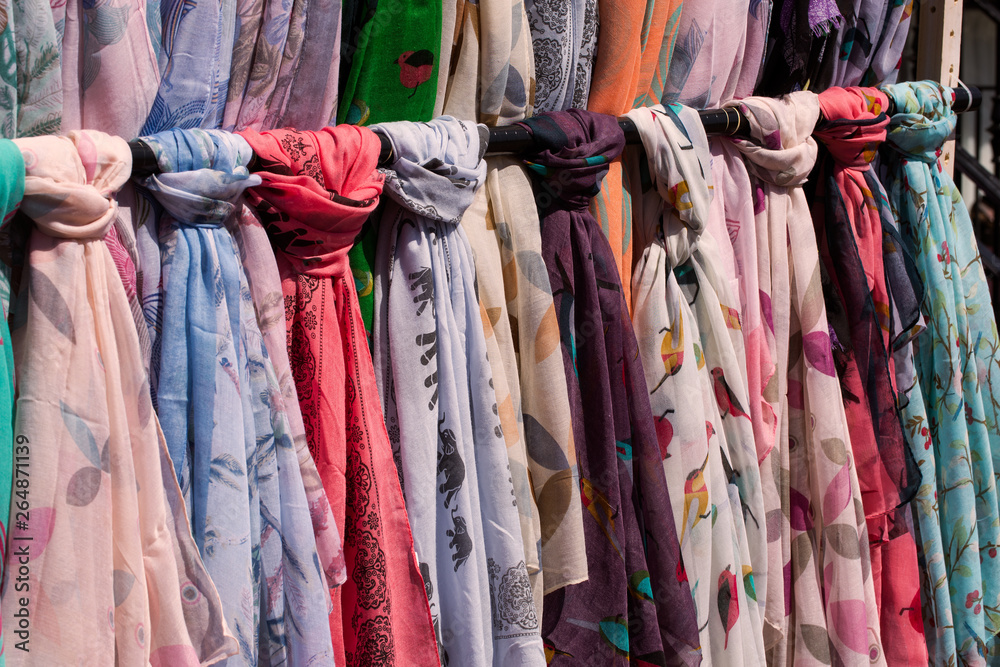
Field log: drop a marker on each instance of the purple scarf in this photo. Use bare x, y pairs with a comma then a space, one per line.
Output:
640, 605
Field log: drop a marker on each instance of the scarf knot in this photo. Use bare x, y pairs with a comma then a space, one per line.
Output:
203, 174
856, 125
438, 166
317, 190
574, 151
781, 150
923, 120
70, 182
680, 166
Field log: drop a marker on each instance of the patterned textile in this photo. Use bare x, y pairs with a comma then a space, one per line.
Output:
867, 47
503, 230
311, 96
8, 73
318, 189
492, 72
102, 483
849, 229
195, 60
797, 40
628, 520
355, 27
719, 51
884, 65
564, 42
38, 105
436, 386
227, 430
688, 335
109, 67
11, 191
952, 416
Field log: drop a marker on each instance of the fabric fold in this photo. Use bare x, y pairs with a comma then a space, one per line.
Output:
318, 188
102, 481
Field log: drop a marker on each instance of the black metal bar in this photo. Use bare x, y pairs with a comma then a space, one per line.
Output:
728, 121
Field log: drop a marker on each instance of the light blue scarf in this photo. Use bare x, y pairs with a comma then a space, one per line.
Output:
952, 416
222, 413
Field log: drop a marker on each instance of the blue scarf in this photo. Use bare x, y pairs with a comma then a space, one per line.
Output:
222, 414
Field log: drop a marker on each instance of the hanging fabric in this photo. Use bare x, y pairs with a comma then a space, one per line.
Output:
564, 42
228, 435
883, 68
436, 386
195, 59
318, 189
38, 104
109, 491
628, 520
696, 389
952, 413
797, 41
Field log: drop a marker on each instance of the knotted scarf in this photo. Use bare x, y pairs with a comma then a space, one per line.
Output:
849, 227
221, 407
318, 188
436, 385
953, 411
697, 390
195, 58
11, 192
564, 42
639, 604
101, 481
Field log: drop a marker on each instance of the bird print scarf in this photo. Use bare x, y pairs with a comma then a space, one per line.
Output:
436, 386
685, 331
227, 432
102, 482
318, 188
953, 409
628, 520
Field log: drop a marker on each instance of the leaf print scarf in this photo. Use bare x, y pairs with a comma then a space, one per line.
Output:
849, 229
704, 434
200, 32
102, 483
640, 604
953, 411
564, 42
39, 100
514, 289
227, 431
109, 67
318, 188
436, 386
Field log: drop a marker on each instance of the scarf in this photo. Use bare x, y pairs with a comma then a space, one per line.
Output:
849, 227
142, 595
109, 67
867, 48
395, 65
719, 52
887, 58
430, 357
952, 416
311, 95
630, 536
696, 389
564, 42
8, 73
503, 230
265, 53
796, 44
318, 188
355, 28
33, 71
492, 69
195, 61
228, 431
11, 192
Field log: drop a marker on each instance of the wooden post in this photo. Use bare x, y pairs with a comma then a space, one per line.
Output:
939, 50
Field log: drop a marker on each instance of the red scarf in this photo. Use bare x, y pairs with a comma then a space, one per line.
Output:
318, 189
